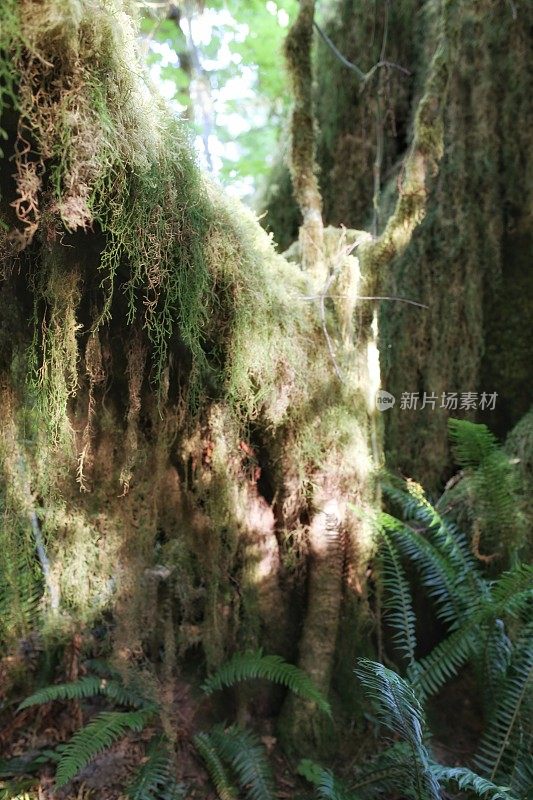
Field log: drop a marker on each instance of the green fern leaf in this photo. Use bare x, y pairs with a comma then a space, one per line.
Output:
472, 443
510, 594
505, 730
243, 750
445, 660
215, 767
154, 780
248, 666
327, 785
466, 780
398, 709
88, 686
99, 734
398, 602
437, 573
492, 485
388, 771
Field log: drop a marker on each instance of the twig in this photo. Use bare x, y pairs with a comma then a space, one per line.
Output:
363, 76
359, 72
369, 297
391, 297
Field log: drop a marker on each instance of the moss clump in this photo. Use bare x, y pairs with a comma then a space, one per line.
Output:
169, 344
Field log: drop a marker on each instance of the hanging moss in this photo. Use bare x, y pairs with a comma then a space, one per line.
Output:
168, 344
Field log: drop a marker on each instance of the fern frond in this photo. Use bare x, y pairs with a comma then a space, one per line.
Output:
99, 734
398, 709
395, 702
521, 775
21, 585
438, 574
492, 484
88, 686
247, 756
154, 780
252, 665
510, 594
446, 659
386, 772
496, 657
85, 687
446, 538
513, 589
500, 737
398, 601
327, 785
17, 790
472, 443
465, 780
215, 767
124, 695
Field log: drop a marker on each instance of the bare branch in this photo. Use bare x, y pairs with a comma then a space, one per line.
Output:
363, 76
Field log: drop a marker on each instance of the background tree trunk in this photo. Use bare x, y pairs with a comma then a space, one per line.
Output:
467, 259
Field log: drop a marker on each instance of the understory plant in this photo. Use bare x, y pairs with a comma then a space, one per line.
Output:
234, 757
486, 613
133, 712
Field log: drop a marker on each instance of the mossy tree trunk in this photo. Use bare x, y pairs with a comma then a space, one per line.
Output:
188, 430
465, 257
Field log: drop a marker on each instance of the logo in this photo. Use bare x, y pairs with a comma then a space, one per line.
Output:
384, 400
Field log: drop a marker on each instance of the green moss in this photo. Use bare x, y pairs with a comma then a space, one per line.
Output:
166, 332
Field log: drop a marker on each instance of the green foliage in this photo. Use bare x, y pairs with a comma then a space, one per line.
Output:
385, 772
486, 615
398, 603
88, 686
509, 595
217, 771
238, 749
21, 580
18, 790
103, 730
399, 710
76, 690
405, 767
99, 734
490, 486
508, 737
154, 780
327, 785
243, 751
253, 665
466, 780
243, 56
